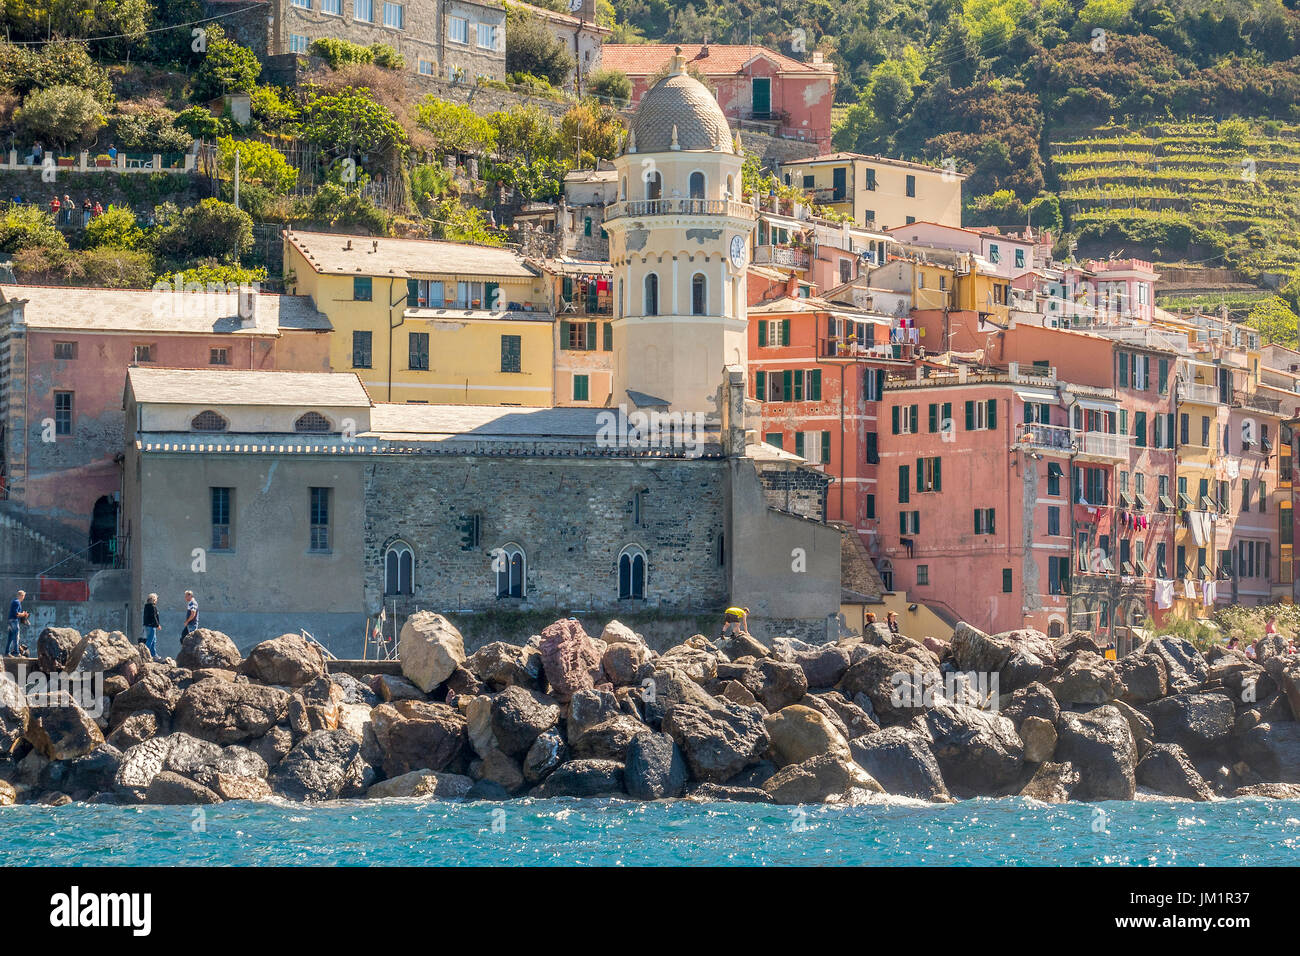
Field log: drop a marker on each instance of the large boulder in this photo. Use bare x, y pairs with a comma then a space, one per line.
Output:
1285, 672
655, 768
519, 717
204, 648
978, 751
1269, 791
570, 659
430, 648
1052, 783
1197, 722
849, 719
609, 739
140, 764
188, 755
289, 660
1143, 678
717, 740
169, 787
824, 665
1167, 770
424, 784
1039, 736
1099, 744
1087, 679
229, 713
819, 779
91, 773
54, 646
315, 706
1032, 700
137, 728
900, 759
59, 728
778, 683
417, 735
1272, 750
798, 733
897, 686
155, 692
584, 778
622, 660
318, 768
13, 714
1185, 665
502, 665
103, 652
547, 752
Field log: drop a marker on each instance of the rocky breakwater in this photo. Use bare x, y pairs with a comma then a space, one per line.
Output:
568, 714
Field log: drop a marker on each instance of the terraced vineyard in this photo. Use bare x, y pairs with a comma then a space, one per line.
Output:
1218, 195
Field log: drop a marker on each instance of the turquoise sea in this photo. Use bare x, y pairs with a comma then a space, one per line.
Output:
1012, 831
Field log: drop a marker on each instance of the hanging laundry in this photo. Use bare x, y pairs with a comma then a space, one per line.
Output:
1209, 588
1189, 589
1164, 594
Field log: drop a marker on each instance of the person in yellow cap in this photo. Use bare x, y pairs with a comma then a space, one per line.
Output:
735, 620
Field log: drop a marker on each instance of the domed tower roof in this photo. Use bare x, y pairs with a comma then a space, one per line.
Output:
679, 112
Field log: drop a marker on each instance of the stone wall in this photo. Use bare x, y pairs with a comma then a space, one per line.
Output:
801, 491
572, 518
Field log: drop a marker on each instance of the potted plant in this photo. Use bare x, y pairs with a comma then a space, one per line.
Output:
103, 160
67, 160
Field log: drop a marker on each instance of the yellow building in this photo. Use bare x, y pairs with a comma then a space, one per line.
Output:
428, 321
879, 193
1202, 413
583, 301
947, 280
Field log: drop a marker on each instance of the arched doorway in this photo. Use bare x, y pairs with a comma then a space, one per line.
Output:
103, 531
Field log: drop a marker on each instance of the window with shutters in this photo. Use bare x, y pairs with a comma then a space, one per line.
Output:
984, 523
418, 351
1053, 478
909, 522
511, 353
982, 415
361, 354
929, 476
362, 289
775, 439
580, 388
904, 419
578, 336
1053, 520
760, 386
65, 350
1006, 579
873, 448
904, 484
1140, 429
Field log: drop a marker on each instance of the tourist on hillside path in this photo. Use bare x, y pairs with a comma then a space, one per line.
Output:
54, 208
17, 618
191, 615
85, 214
151, 625
69, 210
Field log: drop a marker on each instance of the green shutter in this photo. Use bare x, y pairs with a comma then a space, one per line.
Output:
826, 448
970, 416
490, 296
914, 411
566, 288
1123, 369
946, 412
993, 414
978, 524
591, 336
902, 522
798, 385
920, 474
815, 385
785, 331
798, 444
762, 333
787, 382
1146, 372
938, 474
609, 336
904, 490
760, 386
893, 414
564, 334
934, 417
1164, 375
412, 294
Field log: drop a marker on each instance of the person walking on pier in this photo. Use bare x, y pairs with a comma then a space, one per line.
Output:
17, 618
151, 625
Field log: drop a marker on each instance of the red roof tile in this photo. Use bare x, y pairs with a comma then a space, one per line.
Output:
722, 59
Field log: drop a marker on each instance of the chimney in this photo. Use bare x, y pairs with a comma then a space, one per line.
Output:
348, 247
792, 285
375, 246
817, 56
247, 301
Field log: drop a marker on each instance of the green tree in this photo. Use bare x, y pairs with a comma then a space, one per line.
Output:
23, 227
455, 128
212, 229
226, 67
351, 122
1275, 321
66, 116
532, 48
611, 87
116, 228
590, 132
526, 133
61, 63
150, 130
388, 58
334, 206
258, 163
198, 123
114, 267
449, 219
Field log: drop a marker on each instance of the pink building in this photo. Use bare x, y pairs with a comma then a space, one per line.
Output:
64, 353
757, 88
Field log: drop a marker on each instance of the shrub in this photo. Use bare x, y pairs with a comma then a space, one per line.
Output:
212, 229
226, 67
533, 49
66, 116
150, 130
611, 87
23, 227
258, 163
116, 228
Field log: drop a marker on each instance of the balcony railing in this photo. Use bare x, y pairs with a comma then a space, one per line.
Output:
1066, 440
680, 207
1195, 392
785, 256
1260, 403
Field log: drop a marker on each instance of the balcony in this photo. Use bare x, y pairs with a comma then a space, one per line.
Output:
1201, 394
1258, 403
680, 207
1061, 439
787, 257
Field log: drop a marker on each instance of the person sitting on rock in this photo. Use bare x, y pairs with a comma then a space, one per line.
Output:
892, 620
735, 620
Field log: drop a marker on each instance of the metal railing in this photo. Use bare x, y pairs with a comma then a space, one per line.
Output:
786, 256
680, 207
1195, 392
1061, 438
1258, 402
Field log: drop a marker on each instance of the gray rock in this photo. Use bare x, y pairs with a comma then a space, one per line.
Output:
289, 660
502, 665
1197, 722
655, 768
318, 767
819, 779
900, 759
1166, 769
171, 788
1100, 746
418, 735
584, 778
229, 713
1272, 750
978, 751
1144, 677
208, 648
717, 741
519, 717
547, 752
1052, 783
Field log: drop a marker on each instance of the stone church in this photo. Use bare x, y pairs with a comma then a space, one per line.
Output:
291, 501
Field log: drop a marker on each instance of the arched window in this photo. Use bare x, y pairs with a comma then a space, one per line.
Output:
399, 569
654, 185
697, 185
209, 421
313, 422
699, 294
511, 567
631, 573
651, 294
